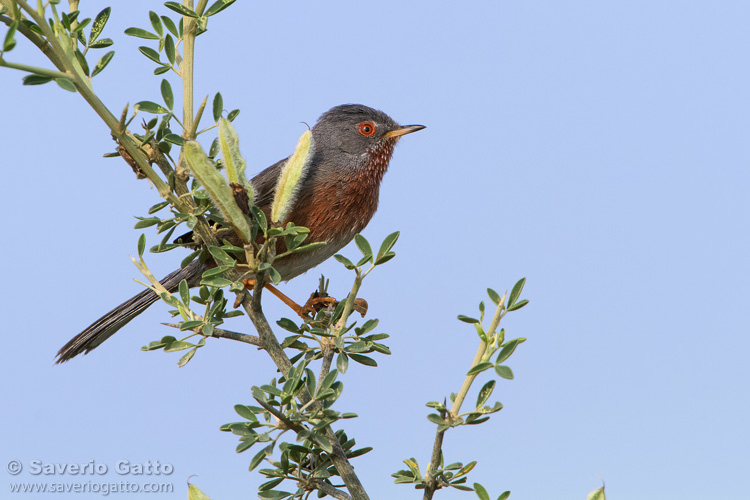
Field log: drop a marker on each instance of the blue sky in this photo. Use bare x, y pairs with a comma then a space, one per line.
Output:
598, 149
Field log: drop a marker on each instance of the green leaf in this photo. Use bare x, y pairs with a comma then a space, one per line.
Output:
65, 84
310, 246
36, 79
292, 172
388, 244
141, 33
271, 484
141, 244
258, 458
597, 495
82, 62
518, 305
467, 319
504, 495
436, 419
9, 41
369, 326
102, 44
328, 380
384, 258
218, 106
156, 23
480, 367
220, 256
516, 292
363, 245
169, 24
359, 452
184, 292
151, 107
342, 362
232, 158
151, 54
166, 93
98, 25
414, 467
217, 7
310, 381
508, 349
190, 325
187, 357
151, 221
178, 345
169, 49
273, 494
245, 412
274, 275
504, 371
195, 494
217, 188
103, 63
233, 114
179, 141
460, 487
485, 392
481, 492
288, 325
347, 263
322, 441
181, 9
365, 360
245, 444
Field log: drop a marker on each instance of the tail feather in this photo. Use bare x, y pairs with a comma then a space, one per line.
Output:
110, 323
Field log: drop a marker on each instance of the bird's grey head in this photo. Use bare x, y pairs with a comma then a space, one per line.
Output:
352, 129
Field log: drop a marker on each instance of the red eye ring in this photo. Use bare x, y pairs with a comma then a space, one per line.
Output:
366, 128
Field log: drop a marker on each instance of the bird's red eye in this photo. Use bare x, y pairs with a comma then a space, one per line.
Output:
366, 129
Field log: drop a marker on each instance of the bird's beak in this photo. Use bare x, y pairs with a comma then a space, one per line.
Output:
406, 129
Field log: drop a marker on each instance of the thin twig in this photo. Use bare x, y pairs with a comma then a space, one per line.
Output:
240, 337
431, 477
276, 413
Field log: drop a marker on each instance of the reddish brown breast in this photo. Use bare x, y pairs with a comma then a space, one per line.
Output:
337, 208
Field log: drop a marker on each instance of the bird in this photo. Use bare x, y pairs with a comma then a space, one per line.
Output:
352, 148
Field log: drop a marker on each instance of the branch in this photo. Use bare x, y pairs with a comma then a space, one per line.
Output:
329, 490
276, 413
431, 478
270, 344
240, 337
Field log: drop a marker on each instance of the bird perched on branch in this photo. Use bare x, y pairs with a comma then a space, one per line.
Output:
352, 147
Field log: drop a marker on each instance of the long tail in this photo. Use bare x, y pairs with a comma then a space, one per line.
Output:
107, 325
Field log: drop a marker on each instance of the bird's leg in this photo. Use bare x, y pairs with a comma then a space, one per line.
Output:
250, 283
315, 303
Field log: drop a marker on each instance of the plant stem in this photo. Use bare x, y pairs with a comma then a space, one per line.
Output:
35, 70
186, 68
349, 306
478, 358
431, 483
96, 104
